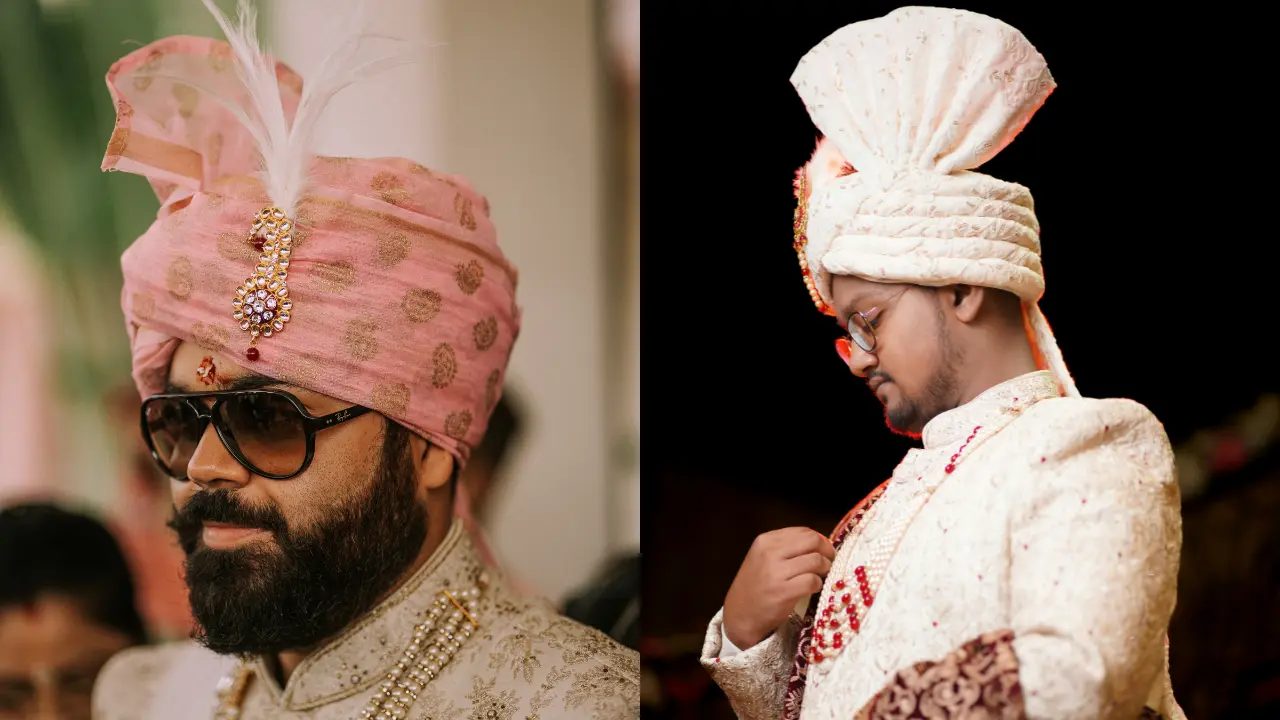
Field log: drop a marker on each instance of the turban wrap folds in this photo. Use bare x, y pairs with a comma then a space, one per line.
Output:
402, 300
908, 106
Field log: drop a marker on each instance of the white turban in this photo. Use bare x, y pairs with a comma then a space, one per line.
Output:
914, 101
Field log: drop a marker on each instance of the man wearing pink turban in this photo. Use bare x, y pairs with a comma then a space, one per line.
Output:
1024, 563
319, 343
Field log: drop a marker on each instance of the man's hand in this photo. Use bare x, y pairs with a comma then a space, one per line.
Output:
780, 568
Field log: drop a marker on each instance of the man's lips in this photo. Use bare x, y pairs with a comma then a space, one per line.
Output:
875, 383
224, 535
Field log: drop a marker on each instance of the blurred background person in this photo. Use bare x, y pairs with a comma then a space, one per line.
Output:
529, 101
66, 606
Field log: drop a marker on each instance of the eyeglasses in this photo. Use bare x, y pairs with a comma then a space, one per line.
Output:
861, 326
269, 432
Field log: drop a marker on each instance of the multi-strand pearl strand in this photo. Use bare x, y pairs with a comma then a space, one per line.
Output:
420, 666
447, 624
828, 629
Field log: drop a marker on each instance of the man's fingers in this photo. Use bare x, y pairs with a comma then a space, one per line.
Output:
802, 541
811, 564
801, 585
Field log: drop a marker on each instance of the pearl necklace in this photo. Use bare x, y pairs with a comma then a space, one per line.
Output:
409, 676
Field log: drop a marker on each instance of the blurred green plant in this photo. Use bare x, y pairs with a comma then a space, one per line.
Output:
56, 117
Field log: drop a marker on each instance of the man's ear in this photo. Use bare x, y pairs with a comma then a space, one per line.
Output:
434, 465
965, 301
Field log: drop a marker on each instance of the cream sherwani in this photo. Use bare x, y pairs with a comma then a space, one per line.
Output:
524, 661
1035, 580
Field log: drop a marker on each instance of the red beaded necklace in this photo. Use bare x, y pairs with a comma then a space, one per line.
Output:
821, 647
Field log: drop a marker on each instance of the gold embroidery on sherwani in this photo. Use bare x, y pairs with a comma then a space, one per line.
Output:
490, 704
439, 707
517, 650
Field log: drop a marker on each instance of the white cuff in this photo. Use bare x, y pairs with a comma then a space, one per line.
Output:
727, 648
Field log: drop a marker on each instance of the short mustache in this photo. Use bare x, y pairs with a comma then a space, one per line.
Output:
221, 506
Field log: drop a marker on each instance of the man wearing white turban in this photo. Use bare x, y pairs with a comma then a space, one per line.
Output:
1024, 563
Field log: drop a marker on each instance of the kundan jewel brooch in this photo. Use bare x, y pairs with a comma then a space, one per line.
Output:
262, 305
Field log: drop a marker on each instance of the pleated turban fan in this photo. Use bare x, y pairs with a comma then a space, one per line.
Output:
375, 281
908, 106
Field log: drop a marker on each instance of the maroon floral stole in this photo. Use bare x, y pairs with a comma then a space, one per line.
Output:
800, 666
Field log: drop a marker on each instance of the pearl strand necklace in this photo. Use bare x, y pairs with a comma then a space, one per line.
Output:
409, 676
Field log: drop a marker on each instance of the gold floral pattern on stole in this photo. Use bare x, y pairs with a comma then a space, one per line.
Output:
233, 246
390, 398
188, 99
144, 305
179, 278
444, 364
457, 424
485, 333
462, 205
210, 336
360, 338
393, 248
334, 277
421, 305
491, 385
389, 187
469, 276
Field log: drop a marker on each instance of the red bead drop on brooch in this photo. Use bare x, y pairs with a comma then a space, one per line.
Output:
251, 353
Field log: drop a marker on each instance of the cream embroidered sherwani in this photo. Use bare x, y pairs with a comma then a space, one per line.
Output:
1036, 580
525, 661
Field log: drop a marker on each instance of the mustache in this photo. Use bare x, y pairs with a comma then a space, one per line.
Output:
884, 376
221, 506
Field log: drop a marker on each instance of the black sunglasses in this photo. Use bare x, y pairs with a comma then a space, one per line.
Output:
269, 432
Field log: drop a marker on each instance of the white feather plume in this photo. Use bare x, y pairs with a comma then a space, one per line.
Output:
287, 149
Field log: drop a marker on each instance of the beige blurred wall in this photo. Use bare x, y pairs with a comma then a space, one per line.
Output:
514, 102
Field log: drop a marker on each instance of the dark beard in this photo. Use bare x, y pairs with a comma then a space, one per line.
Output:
313, 583
911, 415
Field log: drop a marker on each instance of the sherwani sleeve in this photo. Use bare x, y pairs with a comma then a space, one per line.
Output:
755, 679
1095, 535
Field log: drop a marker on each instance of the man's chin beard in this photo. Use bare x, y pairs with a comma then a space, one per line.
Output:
903, 421
908, 417
301, 587
294, 593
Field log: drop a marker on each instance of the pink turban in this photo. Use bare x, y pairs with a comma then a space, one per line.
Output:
401, 299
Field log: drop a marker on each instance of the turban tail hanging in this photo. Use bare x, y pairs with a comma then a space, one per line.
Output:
908, 106
401, 299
